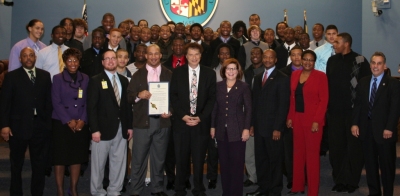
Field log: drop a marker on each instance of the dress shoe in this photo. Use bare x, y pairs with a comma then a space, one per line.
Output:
256, 193
248, 183
159, 194
170, 185
212, 184
188, 185
295, 193
289, 185
338, 188
47, 171
350, 189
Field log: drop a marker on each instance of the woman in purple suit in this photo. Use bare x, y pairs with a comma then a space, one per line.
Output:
230, 125
71, 136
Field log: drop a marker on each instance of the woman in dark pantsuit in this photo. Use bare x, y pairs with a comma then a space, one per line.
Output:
71, 136
230, 125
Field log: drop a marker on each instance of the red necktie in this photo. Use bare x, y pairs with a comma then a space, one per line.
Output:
265, 78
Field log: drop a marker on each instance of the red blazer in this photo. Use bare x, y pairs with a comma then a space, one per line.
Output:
315, 92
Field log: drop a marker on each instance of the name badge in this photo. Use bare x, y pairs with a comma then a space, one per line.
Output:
80, 93
104, 84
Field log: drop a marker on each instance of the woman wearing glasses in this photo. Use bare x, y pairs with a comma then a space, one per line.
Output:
308, 104
71, 135
230, 124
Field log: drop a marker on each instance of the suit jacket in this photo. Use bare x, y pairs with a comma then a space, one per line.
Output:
228, 110
91, 62
137, 84
18, 98
385, 110
315, 94
282, 55
130, 51
168, 63
179, 94
270, 103
232, 41
65, 99
103, 112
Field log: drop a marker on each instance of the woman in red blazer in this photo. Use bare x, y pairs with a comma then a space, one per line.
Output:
308, 104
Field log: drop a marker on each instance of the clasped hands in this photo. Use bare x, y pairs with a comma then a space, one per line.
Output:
76, 125
191, 120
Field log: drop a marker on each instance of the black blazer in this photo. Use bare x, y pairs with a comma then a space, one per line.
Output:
385, 111
91, 62
232, 41
270, 103
137, 84
103, 111
282, 55
18, 98
179, 95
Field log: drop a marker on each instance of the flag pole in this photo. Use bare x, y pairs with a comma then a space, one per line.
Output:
305, 22
285, 18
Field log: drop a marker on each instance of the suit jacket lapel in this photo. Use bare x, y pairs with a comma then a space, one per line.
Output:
270, 78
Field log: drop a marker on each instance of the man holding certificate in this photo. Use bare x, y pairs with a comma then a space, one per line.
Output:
148, 92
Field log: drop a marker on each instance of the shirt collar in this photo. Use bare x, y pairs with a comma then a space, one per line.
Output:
199, 42
27, 71
150, 69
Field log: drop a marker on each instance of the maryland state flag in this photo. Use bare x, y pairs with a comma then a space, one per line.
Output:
189, 8
305, 22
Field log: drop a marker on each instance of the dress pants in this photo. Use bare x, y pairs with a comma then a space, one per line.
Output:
379, 157
37, 151
231, 157
269, 160
212, 160
115, 149
188, 142
306, 156
154, 142
250, 161
288, 151
345, 150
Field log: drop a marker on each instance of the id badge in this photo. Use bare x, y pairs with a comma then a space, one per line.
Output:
80, 93
104, 84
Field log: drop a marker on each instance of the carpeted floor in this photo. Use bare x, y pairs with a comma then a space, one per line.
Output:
84, 189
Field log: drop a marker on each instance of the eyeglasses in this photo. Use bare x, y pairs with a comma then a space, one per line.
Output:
108, 59
231, 69
72, 60
309, 60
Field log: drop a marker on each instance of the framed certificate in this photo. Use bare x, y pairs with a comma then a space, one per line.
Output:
159, 100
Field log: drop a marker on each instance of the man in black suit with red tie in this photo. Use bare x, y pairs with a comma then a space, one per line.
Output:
25, 113
271, 93
225, 28
375, 118
192, 97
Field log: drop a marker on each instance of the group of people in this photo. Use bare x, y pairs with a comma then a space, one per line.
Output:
243, 98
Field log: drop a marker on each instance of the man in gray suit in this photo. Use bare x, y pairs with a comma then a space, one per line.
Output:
151, 132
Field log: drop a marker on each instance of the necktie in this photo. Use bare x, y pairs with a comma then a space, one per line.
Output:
288, 49
36, 47
372, 97
60, 60
265, 77
193, 93
116, 91
316, 43
155, 76
333, 51
178, 63
33, 79
256, 43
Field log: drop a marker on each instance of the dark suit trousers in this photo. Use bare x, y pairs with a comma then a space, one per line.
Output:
288, 151
232, 166
379, 157
212, 160
189, 142
345, 151
37, 148
269, 160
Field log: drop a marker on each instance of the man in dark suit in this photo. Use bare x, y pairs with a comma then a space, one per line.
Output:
225, 28
91, 58
283, 50
25, 112
375, 118
196, 32
134, 40
151, 132
178, 58
110, 120
271, 93
192, 97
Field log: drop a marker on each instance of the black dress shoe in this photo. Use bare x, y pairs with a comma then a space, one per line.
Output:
188, 185
170, 185
295, 193
248, 183
159, 194
350, 189
256, 193
337, 188
134, 195
212, 184
289, 185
